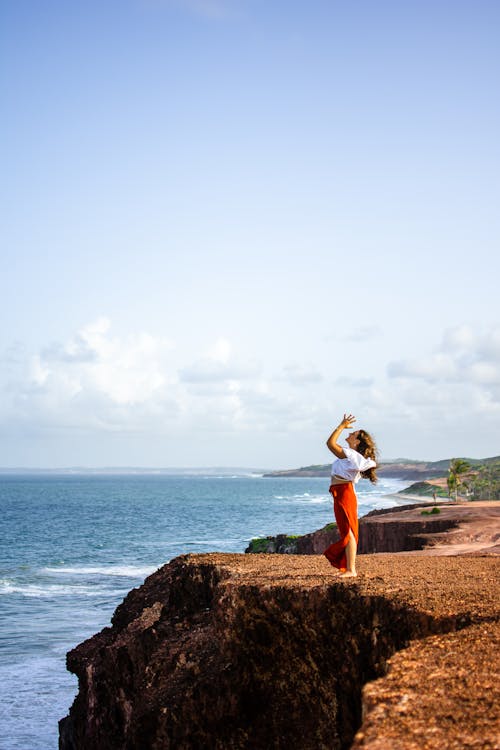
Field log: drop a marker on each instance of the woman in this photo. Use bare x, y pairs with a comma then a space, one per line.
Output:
358, 460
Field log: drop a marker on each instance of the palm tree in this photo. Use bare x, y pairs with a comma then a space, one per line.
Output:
457, 467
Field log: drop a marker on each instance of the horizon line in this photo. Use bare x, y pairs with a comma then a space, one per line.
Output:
216, 467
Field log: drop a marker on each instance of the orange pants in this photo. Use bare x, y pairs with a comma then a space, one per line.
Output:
345, 507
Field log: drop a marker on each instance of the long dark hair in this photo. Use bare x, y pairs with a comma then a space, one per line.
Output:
368, 448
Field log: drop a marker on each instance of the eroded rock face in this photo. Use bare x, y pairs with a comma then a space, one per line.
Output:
444, 690
401, 529
404, 529
242, 651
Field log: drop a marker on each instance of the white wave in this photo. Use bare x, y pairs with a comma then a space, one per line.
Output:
377, 504
231, 476
222, 476
211, 542
128, 571
51, 590
292, 497
305, 497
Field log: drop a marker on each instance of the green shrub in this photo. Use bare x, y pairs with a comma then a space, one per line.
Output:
259, 545
330, 526
432, 512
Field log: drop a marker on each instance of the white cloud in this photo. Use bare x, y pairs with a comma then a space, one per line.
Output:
300, 375
464, 356
432, 368
39, 372
94, 380
457, 338
446, 400
363, 382
217, 367
126, 371
99, 383
221, 351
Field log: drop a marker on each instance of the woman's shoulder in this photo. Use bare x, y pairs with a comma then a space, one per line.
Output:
352, 455
358, 460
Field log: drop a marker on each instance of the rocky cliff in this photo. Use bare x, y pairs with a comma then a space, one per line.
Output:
232, 651
403, 529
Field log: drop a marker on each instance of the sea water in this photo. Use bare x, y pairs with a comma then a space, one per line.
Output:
73, 545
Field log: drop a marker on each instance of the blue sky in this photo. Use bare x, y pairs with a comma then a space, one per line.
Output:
225, 223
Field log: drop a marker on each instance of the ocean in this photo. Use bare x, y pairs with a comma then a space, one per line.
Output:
73, 545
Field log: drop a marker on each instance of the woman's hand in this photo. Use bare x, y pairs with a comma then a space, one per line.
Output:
331, 443
347, 421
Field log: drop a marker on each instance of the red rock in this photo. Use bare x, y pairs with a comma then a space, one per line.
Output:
272, 651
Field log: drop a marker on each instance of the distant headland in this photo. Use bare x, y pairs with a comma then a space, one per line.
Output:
480, 481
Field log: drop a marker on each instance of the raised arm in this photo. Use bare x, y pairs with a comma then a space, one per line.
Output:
331, 443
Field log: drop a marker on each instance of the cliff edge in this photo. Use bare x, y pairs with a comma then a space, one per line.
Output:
230, 651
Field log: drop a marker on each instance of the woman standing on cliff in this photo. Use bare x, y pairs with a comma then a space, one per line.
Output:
352, 463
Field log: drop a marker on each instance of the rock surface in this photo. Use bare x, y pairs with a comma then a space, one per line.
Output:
231, 651
430, 696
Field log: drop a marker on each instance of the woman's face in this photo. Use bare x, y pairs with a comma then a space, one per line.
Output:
352, 440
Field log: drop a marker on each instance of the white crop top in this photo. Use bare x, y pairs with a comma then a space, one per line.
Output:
351, 466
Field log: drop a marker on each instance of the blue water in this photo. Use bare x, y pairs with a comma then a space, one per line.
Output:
72, 546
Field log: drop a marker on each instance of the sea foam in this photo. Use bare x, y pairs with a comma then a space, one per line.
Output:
52, 590
127, 571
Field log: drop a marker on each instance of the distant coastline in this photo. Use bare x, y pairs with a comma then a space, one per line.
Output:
397, 469
425, 478
137, 470
408, 470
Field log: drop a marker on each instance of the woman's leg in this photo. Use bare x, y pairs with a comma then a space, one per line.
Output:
342, 554
350, 553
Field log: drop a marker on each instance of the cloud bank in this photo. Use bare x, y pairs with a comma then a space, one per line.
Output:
466, 361
96, 383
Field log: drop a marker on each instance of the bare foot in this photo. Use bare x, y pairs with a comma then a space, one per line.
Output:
349, 574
